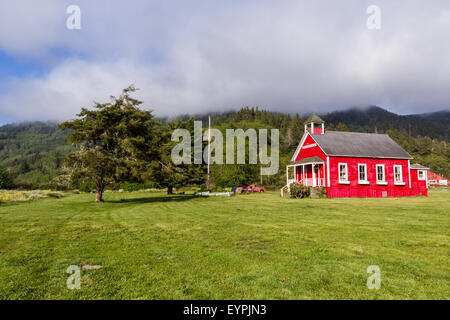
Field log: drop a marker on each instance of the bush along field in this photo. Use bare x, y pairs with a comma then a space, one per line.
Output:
13, 195
142, 245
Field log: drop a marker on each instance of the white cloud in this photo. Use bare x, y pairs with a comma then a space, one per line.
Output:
194, 56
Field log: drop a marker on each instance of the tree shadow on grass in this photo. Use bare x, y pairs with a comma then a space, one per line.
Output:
173, 198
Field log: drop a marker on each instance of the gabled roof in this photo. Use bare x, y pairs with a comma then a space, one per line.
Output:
314, 159
435, 176
314, 118
362, 145
417, 166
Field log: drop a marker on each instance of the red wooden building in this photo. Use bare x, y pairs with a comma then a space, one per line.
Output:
352, 164
436, 180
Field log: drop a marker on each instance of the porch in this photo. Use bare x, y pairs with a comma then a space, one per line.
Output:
308, 171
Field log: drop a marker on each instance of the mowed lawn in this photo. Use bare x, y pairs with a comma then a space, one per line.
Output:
255, 246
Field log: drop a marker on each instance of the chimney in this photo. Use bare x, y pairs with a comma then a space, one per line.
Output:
315, 125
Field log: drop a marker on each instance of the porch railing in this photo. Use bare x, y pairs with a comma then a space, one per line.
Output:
307, 182
320, 182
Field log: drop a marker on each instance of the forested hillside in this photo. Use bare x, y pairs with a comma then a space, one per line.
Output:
430, 149
434, 125
33, 152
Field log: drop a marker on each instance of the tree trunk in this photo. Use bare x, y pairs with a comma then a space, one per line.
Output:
99, 192
170, 190
99, 196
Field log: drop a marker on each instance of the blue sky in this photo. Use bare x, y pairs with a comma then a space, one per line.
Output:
13, 67
194, 56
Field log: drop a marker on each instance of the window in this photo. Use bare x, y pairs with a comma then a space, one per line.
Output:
398, 177
421, 174
343, 173
362, 174
380, 174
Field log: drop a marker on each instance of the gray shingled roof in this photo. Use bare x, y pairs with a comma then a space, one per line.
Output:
417, 166
314, 118
355, 144
308, 160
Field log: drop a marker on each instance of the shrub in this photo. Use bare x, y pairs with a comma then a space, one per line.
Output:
298, 190
322, 192
16, 195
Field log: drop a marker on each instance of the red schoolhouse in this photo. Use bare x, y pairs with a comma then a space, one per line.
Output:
353, 164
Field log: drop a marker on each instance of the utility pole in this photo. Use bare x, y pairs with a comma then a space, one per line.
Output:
260, 173
209, 151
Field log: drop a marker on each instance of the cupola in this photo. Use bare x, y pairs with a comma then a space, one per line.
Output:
315, 124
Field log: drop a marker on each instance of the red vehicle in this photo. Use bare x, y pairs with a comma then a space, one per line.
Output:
256, 188
250, 188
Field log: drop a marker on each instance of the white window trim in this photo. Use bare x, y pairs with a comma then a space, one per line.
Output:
381, 182
328, 171
346, 173
365, 174
418, 175
409, 173
399, 183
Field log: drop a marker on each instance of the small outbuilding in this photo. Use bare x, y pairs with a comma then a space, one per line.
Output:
436, 180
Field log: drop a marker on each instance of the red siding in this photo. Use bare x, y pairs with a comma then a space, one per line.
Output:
317, 130
419, 186
354, 189
313, 151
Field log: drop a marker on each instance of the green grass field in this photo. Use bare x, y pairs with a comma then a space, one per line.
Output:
255, 246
